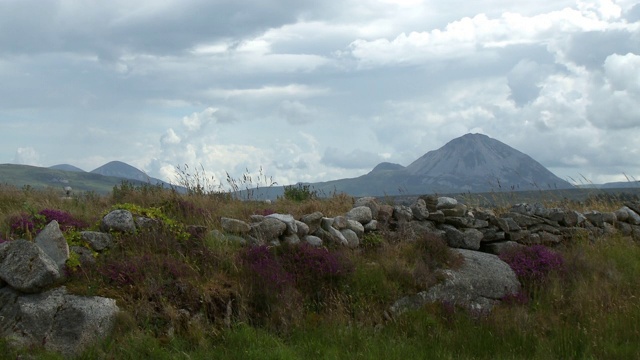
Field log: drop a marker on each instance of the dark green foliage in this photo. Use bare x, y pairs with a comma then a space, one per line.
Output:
300, 193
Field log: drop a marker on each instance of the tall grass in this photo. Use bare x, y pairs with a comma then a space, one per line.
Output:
201, 298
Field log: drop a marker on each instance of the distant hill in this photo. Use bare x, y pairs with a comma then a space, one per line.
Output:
126, 171
101, 180
66, 167
471, 163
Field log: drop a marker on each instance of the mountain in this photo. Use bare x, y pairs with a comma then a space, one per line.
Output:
39, 177
66, 167
123, 170
470, 163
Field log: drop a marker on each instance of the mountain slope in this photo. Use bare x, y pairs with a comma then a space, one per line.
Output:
476, 162
66, 167
470, 163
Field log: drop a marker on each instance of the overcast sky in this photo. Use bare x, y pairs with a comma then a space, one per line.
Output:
318, 90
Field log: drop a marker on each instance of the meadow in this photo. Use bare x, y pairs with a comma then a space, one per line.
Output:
202, 297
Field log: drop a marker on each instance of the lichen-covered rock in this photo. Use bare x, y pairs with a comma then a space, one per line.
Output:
369, 202
303, 229
98, 241
477, 285
60, 322
419, 210
340, 222
268, 229
385, 213
361, 214
458, 210
288, 220
371, 226
356, 227
52, 242
26, 267
312, 220
402, 213
234, 226
352, 239
312, 240
445, 202
118, 220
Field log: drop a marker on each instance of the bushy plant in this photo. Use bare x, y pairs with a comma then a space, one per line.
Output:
277, 274
533, 264
299, 193
26, 224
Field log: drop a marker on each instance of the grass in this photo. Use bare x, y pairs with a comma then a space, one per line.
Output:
200, 298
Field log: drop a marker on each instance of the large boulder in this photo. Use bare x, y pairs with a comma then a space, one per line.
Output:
54, 319
26, 267
52, 242
369, 202
478, 285
118, 220
268, 229
361, 214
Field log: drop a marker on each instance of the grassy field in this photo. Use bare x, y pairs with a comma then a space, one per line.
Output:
203, 298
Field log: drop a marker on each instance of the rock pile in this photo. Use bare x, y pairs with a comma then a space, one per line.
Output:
478, 235
36, 313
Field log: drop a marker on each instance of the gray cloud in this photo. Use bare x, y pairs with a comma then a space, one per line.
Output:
237, 85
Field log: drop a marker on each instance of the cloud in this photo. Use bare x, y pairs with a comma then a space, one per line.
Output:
355, 159
295, 112
26, 156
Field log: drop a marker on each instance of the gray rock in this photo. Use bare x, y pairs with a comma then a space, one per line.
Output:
288, 220
550, 238
361, 214
118, 220
595, 217
312, 240
466, 239
478, 285
338, 237
431, 201
146, 223
484, 214
402, 213
544, 227
371, 226
255, 218
356, 227
507, 224
572, 218
632, 217
25, 267
352, 239
436, 216
624, 228
234, 226
268, 229
521, 236
458, 210
312, 220
419, 210
492, 234
340, 222
446, 203
84, 255
52, 242
472, 239
622, 214
291, 239
385, 214
468, 222
525, 221
369, 202
98, 241
498, 248
60, 322
556, 214
303, 229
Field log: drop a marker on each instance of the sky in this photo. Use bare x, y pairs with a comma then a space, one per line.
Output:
308, 91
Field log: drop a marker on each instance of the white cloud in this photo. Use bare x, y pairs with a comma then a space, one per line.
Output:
26, 156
